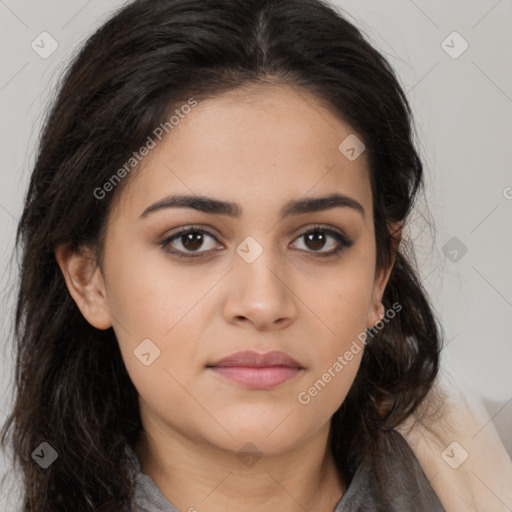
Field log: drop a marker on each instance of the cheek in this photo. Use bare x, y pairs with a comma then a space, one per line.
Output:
343, 302
154, 310
148, 294
322, 395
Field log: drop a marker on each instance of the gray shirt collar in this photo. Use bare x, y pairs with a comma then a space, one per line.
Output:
402, 487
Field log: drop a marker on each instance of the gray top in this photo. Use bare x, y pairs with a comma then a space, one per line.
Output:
405, 486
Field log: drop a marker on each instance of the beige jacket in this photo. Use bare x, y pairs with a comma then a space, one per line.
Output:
459, 449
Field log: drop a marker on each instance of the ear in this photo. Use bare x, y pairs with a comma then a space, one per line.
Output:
85, 284
376, 310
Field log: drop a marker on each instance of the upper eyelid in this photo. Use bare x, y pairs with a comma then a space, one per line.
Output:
302, 232
185, 230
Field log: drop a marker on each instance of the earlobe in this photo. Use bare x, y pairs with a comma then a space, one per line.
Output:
376, 314
85, 284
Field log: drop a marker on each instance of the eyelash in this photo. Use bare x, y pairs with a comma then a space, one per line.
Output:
342, 240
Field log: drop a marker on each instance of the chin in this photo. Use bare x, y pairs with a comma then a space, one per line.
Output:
270, 437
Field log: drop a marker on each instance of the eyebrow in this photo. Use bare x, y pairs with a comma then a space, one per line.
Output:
215, 206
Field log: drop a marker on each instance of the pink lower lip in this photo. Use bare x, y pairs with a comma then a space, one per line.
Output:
262, 377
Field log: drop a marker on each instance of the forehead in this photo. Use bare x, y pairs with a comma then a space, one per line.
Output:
270, 142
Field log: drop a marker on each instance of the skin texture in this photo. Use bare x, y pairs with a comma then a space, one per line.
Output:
258, 147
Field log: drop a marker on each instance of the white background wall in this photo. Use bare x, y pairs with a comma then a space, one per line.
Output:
463, 113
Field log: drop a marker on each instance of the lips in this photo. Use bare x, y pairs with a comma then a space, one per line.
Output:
256, 360
253, 370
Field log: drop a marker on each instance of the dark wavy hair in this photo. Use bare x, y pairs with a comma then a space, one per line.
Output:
72, 388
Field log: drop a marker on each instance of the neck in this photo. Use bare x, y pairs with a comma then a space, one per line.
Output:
194, 475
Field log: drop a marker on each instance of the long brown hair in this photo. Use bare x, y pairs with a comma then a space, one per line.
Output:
72, 389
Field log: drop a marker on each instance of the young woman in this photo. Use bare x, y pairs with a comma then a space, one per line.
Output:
217, 309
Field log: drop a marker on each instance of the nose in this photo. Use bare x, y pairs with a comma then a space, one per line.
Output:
260, 294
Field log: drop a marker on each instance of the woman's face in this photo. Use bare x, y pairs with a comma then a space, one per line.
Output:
262, 274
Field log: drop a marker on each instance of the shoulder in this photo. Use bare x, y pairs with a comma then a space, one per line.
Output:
459, 449
391, 479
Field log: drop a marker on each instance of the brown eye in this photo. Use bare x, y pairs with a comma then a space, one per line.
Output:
315, 240
187, 242
192, 241
319, 238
